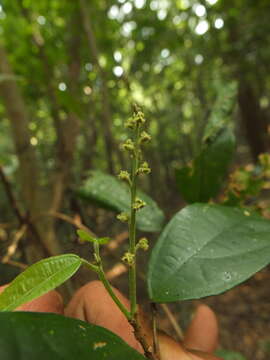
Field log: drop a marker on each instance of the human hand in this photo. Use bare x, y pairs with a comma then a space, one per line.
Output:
93, 304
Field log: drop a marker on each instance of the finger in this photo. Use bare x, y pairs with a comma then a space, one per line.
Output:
50, 302
172, 350
202, 334
93, 304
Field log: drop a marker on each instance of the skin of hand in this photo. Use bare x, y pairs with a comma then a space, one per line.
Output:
92, 303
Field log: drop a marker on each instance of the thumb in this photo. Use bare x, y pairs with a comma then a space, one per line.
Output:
202, 333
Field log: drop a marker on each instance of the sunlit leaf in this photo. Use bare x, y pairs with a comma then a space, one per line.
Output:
38, 279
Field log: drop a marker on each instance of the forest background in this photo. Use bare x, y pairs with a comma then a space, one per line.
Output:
69, 74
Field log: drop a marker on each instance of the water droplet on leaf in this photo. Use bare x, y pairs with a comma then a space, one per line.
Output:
226, 276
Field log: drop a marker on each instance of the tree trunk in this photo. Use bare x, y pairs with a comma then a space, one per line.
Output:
33, 195
253, 119
110, 145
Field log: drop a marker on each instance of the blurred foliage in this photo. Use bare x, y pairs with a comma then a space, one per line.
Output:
183, 61
202, 179
166, 55
249, 186
230, 355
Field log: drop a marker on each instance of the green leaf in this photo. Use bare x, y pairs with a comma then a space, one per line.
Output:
31, 336
205, 250
110, 193
85, 236
203, 179
103, 240
222, 109
38, 279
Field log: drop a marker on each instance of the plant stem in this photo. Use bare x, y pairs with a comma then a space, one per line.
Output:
99, 270
108, 287
89, 265
140, 336
156, 347
132, 229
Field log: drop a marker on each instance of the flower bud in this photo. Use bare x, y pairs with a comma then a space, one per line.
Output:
128, 145
128, 258
125, 176
145, 137
138, 204
142, 244
123, 217
139, 117
130, 123
144, 169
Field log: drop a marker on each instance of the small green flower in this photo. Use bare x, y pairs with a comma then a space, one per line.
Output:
123, 217
138, 204
128, 258
128, 145
131, 123
145, 137
125, 176
142, 244
139, 118
144, 168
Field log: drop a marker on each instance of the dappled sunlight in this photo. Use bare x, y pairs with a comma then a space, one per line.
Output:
202, 27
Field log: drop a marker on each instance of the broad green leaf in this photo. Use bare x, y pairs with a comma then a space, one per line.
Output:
38, 279
111, 193
32, 336
204, 177
205, 250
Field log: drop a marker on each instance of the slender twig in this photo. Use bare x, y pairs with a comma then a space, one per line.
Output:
75, 222
17, 264
174, 323
14, 244
114, 243
156, 347
22, 218
117, 270
11, 196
